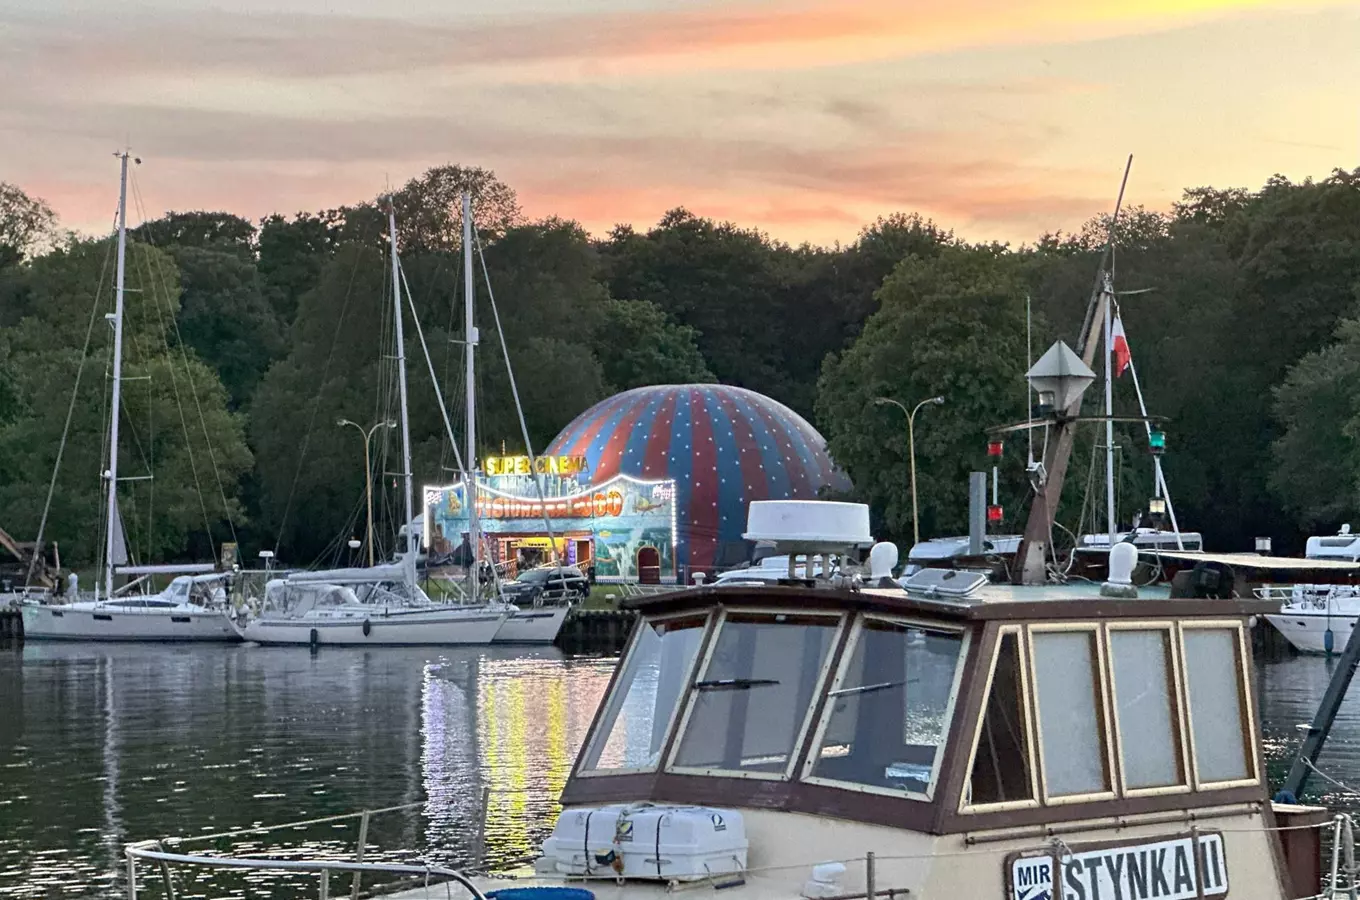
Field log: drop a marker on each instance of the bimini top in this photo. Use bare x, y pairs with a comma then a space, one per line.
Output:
1005, 707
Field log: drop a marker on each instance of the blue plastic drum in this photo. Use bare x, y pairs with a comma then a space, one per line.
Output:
541, 893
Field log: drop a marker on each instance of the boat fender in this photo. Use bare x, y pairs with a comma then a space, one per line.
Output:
368, 627
315, 637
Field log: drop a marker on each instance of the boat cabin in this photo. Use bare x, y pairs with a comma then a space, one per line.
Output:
1028, 732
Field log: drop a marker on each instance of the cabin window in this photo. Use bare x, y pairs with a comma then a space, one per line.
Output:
1000, 771
749, 707
1145, 706
889, 711
1215, 685
632, 731
1072, 748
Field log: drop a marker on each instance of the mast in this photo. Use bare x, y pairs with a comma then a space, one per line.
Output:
112, 524
1109, 410
474, 537
410, 561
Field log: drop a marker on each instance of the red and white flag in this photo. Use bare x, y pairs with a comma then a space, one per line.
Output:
1119, 345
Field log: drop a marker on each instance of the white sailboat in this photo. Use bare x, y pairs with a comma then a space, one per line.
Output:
381, 604
193, 607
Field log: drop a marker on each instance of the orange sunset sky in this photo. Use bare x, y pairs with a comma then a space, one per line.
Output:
1001, 119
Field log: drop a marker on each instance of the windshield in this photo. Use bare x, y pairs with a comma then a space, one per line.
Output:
748, 707
632, 730
890, 708
539, 576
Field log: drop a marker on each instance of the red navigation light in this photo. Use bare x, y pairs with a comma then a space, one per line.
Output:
994, 448
993, 514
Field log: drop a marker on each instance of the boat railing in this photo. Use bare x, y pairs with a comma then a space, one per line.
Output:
155, 851
1307, 596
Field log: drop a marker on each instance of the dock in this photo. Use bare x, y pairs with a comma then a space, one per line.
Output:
11, 624
596, 630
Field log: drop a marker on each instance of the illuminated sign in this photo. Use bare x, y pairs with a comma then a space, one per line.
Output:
579, 506
547, 465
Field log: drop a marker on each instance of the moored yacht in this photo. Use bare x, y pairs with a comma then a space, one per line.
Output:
191, 608
1318, 617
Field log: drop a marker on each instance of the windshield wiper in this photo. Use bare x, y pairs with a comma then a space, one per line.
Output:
733, 684
866, 688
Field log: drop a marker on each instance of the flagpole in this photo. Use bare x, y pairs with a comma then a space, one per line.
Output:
1109, 410
1159, 487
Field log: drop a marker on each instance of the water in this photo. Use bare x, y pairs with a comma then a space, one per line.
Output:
101, 745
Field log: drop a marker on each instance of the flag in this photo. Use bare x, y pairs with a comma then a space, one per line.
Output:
1119, 345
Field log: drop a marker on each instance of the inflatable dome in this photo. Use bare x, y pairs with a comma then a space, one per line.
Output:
724, 447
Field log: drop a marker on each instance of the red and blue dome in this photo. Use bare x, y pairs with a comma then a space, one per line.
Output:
724, 446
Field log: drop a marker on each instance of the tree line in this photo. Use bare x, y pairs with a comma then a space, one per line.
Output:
247, 341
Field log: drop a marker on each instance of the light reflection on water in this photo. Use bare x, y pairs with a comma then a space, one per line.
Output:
101, 745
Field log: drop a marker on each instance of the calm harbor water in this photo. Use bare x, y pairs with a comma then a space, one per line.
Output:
101, 745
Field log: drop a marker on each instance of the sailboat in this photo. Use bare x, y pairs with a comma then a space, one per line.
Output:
381, 604
192, 608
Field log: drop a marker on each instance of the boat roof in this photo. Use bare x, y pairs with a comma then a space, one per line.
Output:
991, 601
1257, 561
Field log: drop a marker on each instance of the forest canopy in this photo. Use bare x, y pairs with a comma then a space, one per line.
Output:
249, 340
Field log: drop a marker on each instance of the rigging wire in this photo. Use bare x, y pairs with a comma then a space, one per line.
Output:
70, 413
148, 285
193, 389
316, 404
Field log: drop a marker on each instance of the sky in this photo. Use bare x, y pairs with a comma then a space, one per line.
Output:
1000, 119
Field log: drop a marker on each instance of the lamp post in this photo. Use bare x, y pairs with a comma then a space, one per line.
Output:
911, 452
368, 473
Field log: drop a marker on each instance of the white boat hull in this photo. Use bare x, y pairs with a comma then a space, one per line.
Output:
533, 626
1306, 630
379, 626
88, 622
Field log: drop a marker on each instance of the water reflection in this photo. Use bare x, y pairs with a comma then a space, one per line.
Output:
100, 745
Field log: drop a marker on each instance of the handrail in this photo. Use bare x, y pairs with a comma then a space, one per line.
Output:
144, 850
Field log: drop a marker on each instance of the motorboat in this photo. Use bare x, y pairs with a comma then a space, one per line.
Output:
1318, 617
950, 738
379, 605
191, 608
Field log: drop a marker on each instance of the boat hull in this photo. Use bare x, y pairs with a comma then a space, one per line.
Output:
379, 627
533, 626
73, 623
1306, 630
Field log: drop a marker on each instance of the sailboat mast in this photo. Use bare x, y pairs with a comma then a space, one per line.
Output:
474, 536
113, 522
1108, 302
410, 559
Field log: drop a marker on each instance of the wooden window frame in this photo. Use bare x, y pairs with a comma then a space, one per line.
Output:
1244, 692
1178, 697
966, 807
1098, 671
705, 633
676, 737
842, 667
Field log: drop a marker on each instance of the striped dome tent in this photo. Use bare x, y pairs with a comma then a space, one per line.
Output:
724, 446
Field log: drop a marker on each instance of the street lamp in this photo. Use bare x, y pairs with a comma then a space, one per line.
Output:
368, 472
911, 452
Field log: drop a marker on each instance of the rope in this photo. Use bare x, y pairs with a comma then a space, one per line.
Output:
1345, 787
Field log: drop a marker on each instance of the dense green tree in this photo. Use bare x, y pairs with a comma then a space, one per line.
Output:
1317, 456
225, 317
636, 346
292, 253
429, 210
175, 423
953, 326
26, 224
204, 230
